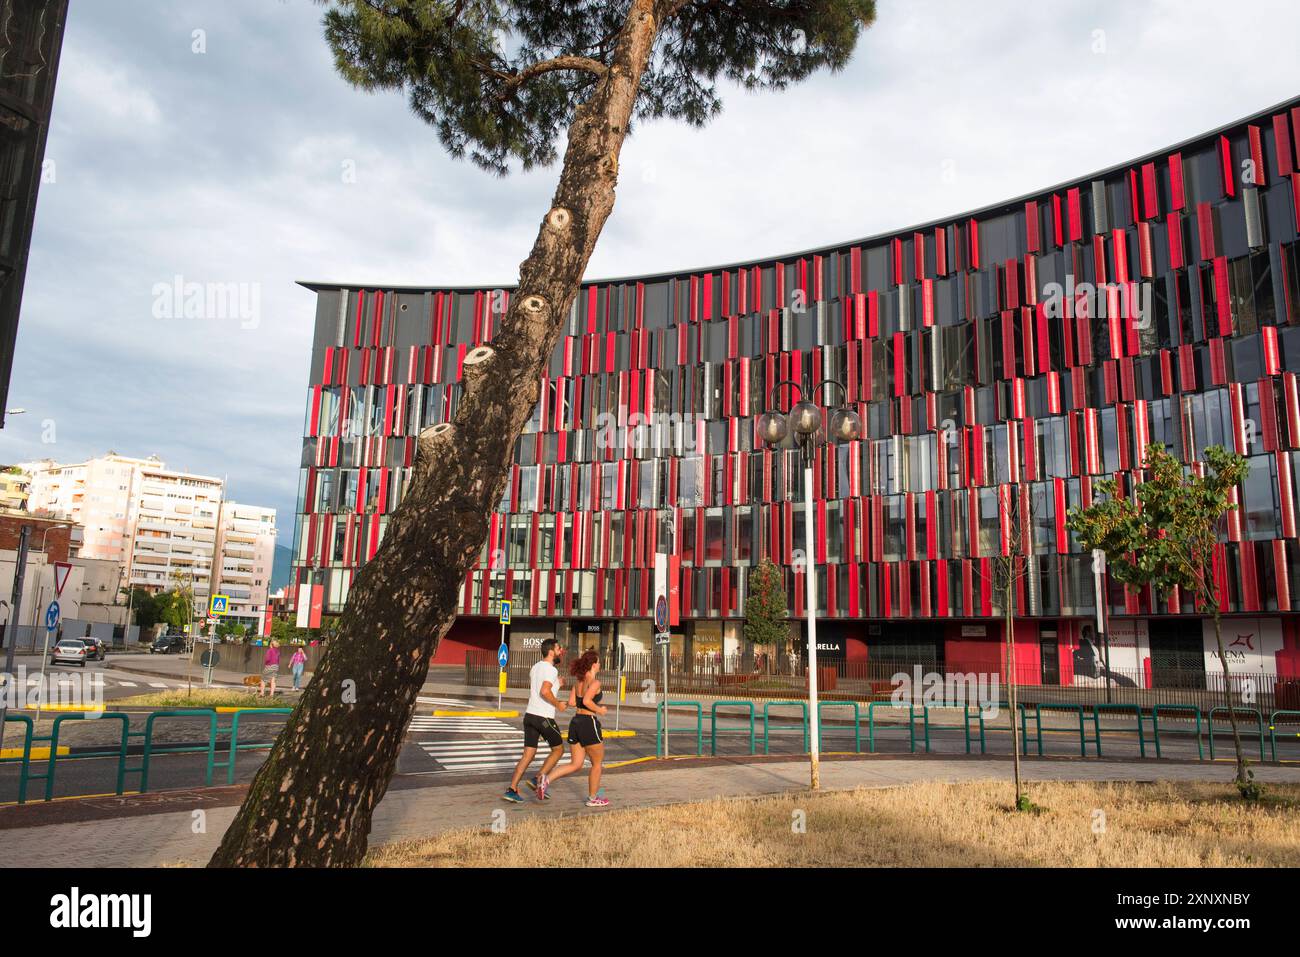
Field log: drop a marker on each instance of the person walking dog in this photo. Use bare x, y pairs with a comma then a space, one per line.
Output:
270, 669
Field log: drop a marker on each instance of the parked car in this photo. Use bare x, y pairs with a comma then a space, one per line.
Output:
71, 650
167, 644
97, 648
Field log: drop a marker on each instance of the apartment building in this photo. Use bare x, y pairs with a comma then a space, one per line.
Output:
162, 525
247, 552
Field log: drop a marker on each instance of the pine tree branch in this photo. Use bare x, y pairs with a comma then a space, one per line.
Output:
511, 82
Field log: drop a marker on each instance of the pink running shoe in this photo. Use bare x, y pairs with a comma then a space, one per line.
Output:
597, 801
543, 782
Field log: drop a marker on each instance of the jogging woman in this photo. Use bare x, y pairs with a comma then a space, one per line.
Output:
584, 729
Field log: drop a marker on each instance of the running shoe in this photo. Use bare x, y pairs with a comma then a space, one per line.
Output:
513, 796
543, 782
541, 792
597, 801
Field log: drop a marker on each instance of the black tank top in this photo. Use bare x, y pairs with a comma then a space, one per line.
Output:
594, 700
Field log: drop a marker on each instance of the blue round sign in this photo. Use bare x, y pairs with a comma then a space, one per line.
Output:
52, 616
503, 655
661, 613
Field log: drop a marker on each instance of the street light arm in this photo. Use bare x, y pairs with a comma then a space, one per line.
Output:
824, 383
772, 392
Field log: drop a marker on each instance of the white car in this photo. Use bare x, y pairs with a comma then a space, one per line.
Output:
72, 650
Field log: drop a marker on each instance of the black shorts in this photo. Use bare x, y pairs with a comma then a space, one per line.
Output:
584, 729
535, 726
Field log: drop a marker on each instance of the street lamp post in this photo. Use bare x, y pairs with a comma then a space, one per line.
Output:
805, 418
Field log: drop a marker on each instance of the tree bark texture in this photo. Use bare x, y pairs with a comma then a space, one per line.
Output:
311, 803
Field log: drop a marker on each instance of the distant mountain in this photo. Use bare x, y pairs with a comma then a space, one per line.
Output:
281, 567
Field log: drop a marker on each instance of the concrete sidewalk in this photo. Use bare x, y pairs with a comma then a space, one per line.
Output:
169, 838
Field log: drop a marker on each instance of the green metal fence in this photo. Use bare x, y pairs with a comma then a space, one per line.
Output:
1272, 728
663, 729
714, 730
1223, 709
1118, 709
768, 726
216, 732
1160, 709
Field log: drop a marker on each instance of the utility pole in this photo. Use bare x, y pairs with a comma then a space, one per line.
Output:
11, 625
214, 581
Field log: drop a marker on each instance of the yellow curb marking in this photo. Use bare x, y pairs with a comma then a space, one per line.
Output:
41, 753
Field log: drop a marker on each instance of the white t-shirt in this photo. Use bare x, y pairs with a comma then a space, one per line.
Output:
541, 672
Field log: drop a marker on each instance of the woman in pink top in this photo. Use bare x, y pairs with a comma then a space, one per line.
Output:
296, 665
270, 669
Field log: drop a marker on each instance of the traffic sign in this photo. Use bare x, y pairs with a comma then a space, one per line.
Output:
209, 659
61, 570
220, 605
663, 638
505, 612
52, 616
661, 614
503, 655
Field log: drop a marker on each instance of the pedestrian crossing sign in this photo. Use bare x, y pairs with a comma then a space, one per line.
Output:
220, 605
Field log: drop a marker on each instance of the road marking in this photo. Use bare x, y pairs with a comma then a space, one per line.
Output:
126, 684
476, 756
158, 684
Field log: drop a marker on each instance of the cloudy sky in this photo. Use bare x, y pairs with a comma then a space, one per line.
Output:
226, 164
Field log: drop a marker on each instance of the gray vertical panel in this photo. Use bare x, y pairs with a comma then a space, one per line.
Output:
1254, 219
1100, 213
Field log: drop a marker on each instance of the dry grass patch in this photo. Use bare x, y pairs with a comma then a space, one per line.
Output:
203, 698
921, 825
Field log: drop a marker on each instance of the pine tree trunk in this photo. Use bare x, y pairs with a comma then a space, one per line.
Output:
311, 803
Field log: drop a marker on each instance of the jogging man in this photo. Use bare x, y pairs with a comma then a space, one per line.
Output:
539, 718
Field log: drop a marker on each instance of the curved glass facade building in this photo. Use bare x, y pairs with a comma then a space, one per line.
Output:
1002, 361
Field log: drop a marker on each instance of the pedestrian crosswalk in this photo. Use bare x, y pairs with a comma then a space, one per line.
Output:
469, 744
481, 756
463, 725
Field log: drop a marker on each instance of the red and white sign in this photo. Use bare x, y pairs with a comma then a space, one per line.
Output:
61, 572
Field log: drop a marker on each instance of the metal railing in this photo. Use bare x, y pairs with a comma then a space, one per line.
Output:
218, 737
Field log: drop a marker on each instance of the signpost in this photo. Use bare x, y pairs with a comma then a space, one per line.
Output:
61, 570
51, 626
619, 653
662, 635
503, 652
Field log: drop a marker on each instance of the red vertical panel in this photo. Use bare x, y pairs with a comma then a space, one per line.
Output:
1281, 575
1282, 157
1229, 180
1179, 199
1031, 226
1256, 144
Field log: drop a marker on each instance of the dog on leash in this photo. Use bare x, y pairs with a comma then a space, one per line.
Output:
252, 681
